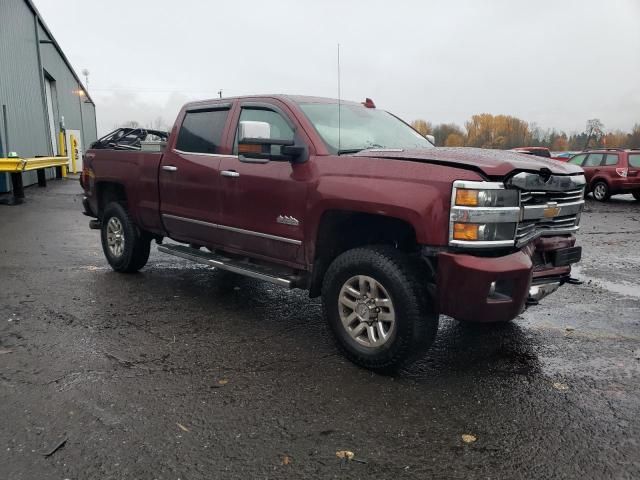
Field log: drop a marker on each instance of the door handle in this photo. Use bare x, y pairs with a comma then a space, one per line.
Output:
169, 168
229, 173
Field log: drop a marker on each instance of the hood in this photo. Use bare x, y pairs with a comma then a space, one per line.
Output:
493, 163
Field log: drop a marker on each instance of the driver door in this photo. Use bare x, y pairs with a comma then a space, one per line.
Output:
263, 201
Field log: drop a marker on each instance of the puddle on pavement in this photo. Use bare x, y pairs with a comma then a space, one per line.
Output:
623, 288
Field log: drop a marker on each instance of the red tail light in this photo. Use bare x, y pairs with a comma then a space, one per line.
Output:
622, 172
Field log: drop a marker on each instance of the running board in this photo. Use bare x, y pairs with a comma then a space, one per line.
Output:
224, 263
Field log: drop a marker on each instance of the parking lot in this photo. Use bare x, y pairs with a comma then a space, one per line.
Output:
183, 372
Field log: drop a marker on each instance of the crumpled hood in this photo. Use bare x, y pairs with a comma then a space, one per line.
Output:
493, 163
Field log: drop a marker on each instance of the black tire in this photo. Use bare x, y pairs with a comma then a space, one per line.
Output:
135, 252
598, 187
416, 322
636, 195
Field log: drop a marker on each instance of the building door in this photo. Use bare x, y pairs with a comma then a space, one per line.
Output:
49, 92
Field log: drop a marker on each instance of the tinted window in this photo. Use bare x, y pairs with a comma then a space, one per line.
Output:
634, 160
578, 159
611, 159
593, 160
201, 131
280, 129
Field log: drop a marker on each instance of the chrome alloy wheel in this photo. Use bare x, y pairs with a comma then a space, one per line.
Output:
115, 237
366, 311
600, 191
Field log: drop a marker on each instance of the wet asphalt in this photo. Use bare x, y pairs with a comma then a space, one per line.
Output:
180, 372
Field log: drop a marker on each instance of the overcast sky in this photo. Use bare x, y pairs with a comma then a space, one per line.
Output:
556, 63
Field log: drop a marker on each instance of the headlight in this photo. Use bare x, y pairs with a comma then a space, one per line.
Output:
469, 197
483, 214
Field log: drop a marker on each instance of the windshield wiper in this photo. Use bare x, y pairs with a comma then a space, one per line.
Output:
350, 150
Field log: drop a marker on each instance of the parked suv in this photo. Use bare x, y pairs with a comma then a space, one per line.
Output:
610, 171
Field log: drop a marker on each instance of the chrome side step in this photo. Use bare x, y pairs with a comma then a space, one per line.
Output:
259, 272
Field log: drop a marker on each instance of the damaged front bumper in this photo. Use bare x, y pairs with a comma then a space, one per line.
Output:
497, 289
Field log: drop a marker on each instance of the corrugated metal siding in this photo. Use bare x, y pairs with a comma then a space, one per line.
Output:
20, 86
21, 90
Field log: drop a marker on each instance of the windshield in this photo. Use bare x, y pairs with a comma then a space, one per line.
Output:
361, 128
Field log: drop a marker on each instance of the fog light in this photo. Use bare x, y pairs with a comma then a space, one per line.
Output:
465, 231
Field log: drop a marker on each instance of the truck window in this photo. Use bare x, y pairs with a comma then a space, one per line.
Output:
201, 131
280, 129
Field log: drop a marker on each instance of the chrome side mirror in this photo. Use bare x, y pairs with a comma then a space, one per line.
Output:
252, 130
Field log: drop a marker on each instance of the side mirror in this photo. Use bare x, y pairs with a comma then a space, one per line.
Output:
253, 130
431, 138
255, 144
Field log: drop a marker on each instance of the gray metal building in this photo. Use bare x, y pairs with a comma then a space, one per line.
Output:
39, 87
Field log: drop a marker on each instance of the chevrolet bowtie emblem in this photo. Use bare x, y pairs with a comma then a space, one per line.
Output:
552, 210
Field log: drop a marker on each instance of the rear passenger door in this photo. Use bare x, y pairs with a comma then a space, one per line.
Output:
592, 165
189, 177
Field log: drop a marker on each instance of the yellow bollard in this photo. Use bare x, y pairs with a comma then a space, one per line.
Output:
74, 151
62, 147
64, 171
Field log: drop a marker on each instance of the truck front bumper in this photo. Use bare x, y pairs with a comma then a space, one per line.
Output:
497, 289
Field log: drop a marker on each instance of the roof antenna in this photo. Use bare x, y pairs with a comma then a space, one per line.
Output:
339, 107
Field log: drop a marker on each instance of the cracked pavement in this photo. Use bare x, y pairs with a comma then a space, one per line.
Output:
183, 372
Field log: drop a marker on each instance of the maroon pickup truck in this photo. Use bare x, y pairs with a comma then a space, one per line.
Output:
349, 202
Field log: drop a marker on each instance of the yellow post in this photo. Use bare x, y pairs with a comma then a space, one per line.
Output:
74, 152
62, 147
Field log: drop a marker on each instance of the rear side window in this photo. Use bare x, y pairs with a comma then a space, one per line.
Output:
593, 160
201, 131
634, 160
577, 160
611, 159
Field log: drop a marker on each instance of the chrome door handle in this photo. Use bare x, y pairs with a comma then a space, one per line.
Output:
169, 168
229, 173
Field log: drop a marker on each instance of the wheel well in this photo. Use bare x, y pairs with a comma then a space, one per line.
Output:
340, 231
108, 192
598, 179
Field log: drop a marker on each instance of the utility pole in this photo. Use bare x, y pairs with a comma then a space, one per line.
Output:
220, 93
85, 72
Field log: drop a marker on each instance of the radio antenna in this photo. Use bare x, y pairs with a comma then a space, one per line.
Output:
339, 106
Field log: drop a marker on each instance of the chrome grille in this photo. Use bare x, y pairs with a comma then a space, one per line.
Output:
534, 224
541, 198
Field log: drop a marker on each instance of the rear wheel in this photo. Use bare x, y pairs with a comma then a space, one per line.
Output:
636, 195
601, 191
377, 307
125, 246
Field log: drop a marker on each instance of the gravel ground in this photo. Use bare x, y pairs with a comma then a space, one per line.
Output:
180, 372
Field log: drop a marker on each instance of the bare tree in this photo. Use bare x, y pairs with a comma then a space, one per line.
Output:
594, 130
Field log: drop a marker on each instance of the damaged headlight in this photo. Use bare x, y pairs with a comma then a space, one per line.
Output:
483, 214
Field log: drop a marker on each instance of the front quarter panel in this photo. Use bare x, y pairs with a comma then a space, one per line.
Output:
417, 193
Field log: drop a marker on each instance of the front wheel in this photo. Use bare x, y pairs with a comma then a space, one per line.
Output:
601, 191
125, 246
377, 306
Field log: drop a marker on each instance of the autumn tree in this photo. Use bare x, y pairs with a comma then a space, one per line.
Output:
425, 128
499, 131
442, 132
454, 140
633, 141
